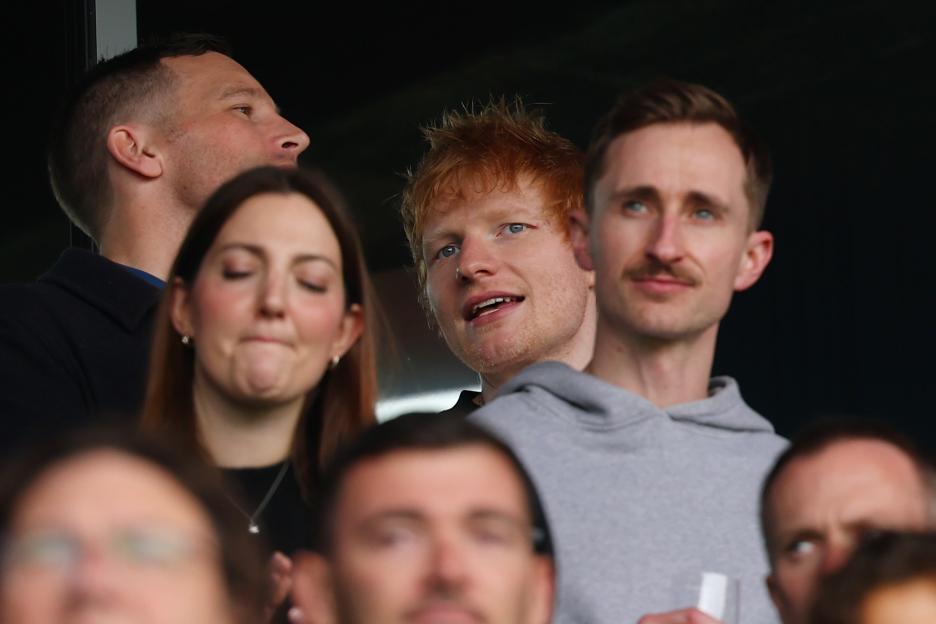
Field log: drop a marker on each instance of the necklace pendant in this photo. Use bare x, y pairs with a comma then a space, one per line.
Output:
253, 528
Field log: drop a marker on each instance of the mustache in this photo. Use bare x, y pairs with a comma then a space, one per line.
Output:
652, 268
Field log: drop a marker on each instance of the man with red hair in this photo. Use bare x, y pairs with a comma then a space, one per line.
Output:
486, 213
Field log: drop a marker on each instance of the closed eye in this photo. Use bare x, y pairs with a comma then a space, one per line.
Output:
231, 274
395, 536
312, 286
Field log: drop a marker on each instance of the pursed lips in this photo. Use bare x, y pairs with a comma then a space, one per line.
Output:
266, 339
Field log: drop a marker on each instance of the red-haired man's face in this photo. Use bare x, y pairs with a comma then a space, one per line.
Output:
502, 280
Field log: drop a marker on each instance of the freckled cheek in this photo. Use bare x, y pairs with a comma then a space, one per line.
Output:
439, 298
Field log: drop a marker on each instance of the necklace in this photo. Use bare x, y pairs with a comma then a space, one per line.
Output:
252, 525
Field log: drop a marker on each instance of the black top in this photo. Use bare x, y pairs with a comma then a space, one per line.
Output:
286, 521
74, 346
465, 404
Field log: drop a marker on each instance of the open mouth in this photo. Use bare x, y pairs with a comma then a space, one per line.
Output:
491, 305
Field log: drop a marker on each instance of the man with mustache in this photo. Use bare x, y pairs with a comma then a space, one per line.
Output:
136, 150
427, 518
649, 468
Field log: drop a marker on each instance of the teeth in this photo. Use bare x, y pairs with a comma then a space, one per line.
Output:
490, 302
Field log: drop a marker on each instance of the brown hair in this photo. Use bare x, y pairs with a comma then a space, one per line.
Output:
420, 432
129, 87
827, 432
495, 145
671, 102
342, 404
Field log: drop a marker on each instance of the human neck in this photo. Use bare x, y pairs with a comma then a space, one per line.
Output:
240, 436
491, 383
665, 372
145, 237
576, 354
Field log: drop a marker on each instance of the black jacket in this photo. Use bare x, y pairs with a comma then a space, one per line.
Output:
74, 347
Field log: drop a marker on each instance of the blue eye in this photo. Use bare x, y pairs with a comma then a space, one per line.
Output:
635, 206
447, 252
704, 214
516, 228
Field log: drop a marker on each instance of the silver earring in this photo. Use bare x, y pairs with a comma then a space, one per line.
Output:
334, 361
186, 340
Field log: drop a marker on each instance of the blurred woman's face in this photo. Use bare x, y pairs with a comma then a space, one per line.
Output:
267, 309
108, 537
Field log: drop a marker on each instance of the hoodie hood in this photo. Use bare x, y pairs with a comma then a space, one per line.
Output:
599, 404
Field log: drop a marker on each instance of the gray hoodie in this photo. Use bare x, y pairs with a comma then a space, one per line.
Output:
640, 499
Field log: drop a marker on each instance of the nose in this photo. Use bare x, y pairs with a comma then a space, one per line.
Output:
94, 577
271, 300
835, 556
290, 139
448, 569
476, 259
665, 244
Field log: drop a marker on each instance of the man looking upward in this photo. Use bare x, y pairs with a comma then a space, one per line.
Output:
138, 147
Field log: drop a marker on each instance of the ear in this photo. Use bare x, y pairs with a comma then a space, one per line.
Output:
313, 589
757, 255
180, 308
352, 325
542, 596
776, 596
578, 233
132, 146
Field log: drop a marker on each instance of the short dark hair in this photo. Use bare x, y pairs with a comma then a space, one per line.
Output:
419, 432
828, 431
342, 403
123, 88
671, 102
242, 562
884, 560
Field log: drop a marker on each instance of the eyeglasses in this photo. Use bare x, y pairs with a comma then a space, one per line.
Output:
136, 548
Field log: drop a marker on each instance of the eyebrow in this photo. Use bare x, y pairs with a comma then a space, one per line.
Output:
258, 251
413, 515
236, 91
651, 194
505, 214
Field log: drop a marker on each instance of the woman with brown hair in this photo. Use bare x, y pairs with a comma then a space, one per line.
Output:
263, 357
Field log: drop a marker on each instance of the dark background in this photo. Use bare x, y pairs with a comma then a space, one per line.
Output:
844, 93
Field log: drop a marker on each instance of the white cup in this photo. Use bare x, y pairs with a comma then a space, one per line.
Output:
715, 594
